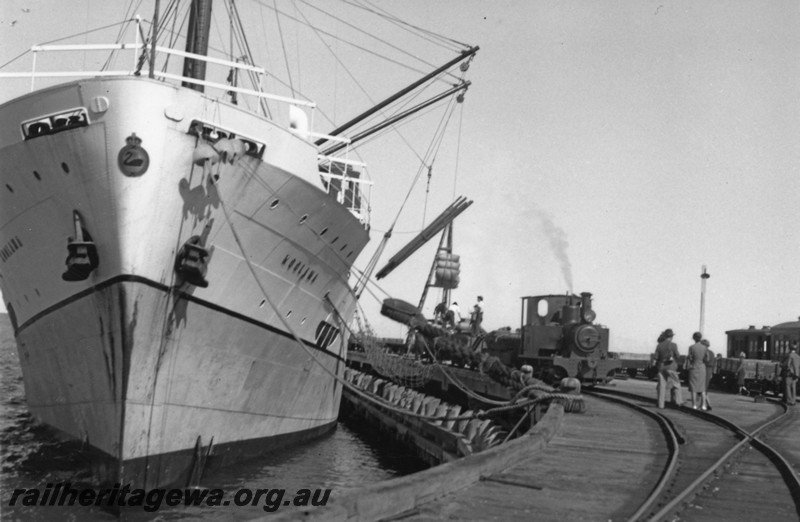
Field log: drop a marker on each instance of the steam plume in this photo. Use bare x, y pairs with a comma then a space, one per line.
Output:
558, 243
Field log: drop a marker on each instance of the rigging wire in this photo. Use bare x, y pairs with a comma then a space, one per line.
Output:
458, 146
432, 151
340, 39
245, 48
394, 128
433, 37
374, 37
82, 33
128, 16
283, 46
173, 34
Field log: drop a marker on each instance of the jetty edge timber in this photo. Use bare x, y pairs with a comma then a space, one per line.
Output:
201, 316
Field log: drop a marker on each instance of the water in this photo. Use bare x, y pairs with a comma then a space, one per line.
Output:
349, 457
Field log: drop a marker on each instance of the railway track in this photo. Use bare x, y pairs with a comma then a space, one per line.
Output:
716, 469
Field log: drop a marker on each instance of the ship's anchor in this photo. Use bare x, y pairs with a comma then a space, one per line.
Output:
192, 262
82, 253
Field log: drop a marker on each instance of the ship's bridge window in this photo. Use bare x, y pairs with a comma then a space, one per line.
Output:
212, 134
55, 123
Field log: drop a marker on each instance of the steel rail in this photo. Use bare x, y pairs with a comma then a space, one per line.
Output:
791, 478
674, 439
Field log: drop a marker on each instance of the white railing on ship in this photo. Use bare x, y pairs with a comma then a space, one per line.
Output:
137, 45
166, 50
358, 189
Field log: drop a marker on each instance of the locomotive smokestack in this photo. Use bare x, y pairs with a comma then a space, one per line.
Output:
586, 307
586, 300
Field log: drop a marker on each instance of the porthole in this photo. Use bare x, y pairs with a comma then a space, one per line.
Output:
262, 303
323, 231
37, 176
343, 247
303, 320
9, 188
335, 240
65, 167
303, 219
349, 254
288, 314
274, 204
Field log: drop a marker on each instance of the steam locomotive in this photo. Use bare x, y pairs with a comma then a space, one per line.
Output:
558, 338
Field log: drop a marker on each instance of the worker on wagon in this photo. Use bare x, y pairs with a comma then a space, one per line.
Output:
476, 317
666, 357
439, 313
790, 374
453, 316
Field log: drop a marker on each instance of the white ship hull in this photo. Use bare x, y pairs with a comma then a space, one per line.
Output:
164, 377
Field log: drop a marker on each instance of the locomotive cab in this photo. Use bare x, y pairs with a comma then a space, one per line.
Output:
559, 336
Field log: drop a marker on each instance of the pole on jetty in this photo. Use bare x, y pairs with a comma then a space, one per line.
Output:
705, 275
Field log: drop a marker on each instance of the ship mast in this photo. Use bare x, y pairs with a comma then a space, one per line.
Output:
197, 42
153, 43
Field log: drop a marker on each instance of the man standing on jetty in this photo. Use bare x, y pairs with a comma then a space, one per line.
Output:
791, 373
666, 357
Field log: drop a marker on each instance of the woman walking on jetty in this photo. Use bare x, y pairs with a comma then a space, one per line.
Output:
666, 359
711, 369
696, 363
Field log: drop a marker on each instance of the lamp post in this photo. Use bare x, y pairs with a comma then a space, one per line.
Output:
705, 275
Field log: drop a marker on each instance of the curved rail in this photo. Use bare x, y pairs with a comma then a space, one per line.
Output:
786, 470
674, 439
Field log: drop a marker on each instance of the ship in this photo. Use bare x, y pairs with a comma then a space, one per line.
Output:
177, 266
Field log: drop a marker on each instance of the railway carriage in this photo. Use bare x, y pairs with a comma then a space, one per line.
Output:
764, 351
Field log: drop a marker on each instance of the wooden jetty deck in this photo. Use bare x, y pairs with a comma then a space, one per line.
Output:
596, 465
585, 474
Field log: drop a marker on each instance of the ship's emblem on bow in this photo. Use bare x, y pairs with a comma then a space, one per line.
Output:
133, 160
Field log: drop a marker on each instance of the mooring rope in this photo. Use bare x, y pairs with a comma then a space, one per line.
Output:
458, 384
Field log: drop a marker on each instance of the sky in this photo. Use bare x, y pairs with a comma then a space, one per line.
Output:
611, 147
